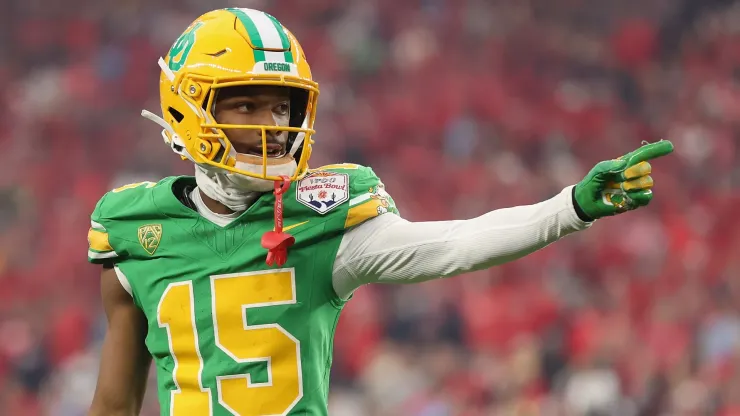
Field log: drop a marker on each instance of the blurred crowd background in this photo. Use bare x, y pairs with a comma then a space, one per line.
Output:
461, 107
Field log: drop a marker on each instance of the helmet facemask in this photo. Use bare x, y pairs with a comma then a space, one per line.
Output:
214, 151
257, 171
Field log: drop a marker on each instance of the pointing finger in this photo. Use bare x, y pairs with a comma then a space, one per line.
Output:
648, 152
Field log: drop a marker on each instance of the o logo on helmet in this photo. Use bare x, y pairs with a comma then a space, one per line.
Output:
181, 49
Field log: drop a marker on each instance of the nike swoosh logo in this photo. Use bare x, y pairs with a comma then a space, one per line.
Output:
290, 227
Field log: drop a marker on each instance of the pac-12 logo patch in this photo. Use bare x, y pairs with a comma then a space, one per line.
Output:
149, 237
323, 191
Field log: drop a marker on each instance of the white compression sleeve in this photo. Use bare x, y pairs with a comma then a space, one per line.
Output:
388, 249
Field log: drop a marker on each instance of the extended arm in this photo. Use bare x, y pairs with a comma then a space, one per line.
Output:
388, 249
124, 362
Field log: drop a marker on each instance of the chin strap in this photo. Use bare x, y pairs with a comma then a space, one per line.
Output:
277, 242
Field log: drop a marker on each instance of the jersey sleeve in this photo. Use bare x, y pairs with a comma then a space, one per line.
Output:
99, 248
393, 250
368, 198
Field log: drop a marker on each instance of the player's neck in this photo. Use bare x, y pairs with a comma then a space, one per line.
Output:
215, 206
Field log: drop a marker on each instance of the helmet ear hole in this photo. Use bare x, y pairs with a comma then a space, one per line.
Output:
178, 116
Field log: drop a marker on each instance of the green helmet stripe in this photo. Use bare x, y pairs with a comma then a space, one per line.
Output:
283, 38
254, 34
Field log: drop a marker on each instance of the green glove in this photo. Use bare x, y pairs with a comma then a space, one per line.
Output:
619, 185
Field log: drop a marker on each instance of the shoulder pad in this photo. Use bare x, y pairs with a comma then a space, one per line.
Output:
124, 202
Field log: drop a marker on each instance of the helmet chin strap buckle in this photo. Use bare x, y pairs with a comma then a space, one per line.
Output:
277, 242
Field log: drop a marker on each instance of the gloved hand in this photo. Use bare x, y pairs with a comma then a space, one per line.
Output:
619, 185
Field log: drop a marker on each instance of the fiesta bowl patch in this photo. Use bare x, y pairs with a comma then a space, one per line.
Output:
323, 191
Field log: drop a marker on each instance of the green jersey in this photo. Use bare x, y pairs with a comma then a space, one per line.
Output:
229, 334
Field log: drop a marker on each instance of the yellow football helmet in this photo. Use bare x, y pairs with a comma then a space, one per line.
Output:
227, 48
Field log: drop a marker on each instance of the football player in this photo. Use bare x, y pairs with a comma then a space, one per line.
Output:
232, 280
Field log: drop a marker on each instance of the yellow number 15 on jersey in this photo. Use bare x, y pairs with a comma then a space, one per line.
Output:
231, 296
